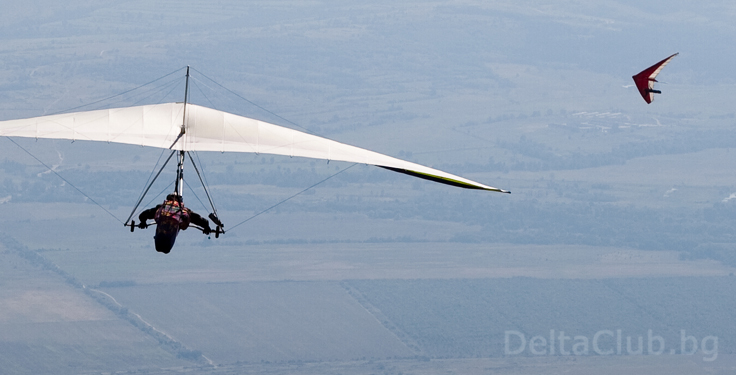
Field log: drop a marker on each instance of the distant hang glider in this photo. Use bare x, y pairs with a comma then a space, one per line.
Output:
189, 127
645, 80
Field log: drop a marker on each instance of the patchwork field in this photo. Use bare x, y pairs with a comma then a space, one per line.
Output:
50, 327
470, 318
649, 365
254, 322
407, 304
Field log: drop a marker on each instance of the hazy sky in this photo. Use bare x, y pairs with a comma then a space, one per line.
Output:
337, 43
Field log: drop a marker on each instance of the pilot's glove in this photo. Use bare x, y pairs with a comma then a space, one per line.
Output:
143, 225
206, 230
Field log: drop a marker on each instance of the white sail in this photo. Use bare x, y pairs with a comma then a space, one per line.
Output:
208, 129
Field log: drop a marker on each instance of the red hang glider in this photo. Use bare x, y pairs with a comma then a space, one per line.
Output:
645, 80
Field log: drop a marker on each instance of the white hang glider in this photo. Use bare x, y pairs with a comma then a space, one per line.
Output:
187, 127
206, 129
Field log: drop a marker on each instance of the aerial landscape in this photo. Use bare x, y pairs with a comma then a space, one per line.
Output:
614, 253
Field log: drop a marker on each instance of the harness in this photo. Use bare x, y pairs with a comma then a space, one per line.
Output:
173, 210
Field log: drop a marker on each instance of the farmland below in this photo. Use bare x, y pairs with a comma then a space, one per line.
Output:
613, 254
216, 317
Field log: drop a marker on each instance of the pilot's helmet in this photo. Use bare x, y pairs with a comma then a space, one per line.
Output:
174, 197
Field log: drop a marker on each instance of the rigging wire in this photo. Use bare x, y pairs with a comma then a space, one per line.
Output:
202, 176
206, 183
173, 84
284, 201
195, 194
148, 180
214, 210
252, 103
64, 179
159, 194
116, 95
148, 92
163, 150
194, 83
149, 187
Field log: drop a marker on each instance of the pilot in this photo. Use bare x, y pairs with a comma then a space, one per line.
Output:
171, 216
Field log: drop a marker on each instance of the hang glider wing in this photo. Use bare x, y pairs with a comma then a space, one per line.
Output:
646, 78
211, 130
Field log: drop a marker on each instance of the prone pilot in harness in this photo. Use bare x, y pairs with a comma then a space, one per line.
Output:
171, 216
